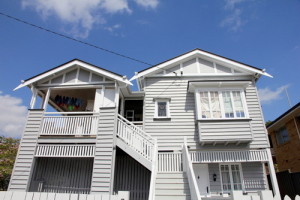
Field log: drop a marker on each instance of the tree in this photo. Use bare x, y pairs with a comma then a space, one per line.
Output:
8, 153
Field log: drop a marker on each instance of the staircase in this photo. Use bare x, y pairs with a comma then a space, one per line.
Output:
135, 142
172, 186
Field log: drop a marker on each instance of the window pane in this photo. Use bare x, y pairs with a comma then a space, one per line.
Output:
282, 136
238, 105
225, 178
162, 109
205, 111
237, 183
228, 109
215, 105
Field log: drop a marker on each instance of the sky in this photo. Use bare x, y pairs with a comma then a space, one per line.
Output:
261, 33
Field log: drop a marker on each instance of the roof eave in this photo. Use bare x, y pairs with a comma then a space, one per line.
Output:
69, 64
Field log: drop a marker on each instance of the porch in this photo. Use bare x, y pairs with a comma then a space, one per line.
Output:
216, 174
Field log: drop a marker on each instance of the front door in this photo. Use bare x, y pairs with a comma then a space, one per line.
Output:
202, 177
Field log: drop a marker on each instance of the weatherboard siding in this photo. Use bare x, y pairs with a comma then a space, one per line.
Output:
103, 161
182, 122
25, 158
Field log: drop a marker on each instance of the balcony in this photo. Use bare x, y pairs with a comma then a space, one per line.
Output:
225, 131
69, 124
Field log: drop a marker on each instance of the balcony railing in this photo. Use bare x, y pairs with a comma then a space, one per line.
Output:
229, 156
65, 150
71, 123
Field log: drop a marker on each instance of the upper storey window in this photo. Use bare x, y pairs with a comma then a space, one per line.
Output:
162, 109
282, 135
219, 104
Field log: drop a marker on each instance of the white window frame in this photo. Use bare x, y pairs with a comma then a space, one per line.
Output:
167, 108
231, 177
220, 90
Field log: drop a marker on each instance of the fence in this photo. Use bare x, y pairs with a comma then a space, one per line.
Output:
262, 195
18, 195
289, 183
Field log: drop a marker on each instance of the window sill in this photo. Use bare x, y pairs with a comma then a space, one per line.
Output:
162, 118
225, 119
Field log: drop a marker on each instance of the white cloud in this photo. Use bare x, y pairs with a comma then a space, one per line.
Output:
267, 95
234, 20
12, 116
147, 3
112, 28
80, 16
230, 4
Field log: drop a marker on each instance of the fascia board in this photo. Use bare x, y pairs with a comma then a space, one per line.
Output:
66, 66
203, 53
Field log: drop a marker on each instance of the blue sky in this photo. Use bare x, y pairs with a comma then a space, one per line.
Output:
261, 33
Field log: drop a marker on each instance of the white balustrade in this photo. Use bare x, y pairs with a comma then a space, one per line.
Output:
135, 137
65, 151
75, 124
188, 169
170, 162
228, 156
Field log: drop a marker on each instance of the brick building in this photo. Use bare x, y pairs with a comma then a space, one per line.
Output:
285, 139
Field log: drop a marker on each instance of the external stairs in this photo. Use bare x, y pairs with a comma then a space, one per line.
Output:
172, 186
135, 142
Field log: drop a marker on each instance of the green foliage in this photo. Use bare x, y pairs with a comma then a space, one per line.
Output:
8, 153
268, 122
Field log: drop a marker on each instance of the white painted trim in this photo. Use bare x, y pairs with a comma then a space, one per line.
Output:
45, 103
272, 173
230, 175
200, 53
167, 108
70, 64
33, 98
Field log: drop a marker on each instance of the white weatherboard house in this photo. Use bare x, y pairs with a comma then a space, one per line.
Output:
194, 130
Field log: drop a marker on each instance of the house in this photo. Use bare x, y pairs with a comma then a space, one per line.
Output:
285, 137
193, 130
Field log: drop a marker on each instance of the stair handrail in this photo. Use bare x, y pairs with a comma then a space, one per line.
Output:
188, 168
140, 131
153, 172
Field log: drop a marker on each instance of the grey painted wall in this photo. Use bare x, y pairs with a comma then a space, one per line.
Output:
104, 153
170, 132
25, 158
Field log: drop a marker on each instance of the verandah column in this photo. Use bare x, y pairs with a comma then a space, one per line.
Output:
272, 174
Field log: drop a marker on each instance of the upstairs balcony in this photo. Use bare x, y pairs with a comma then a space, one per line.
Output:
69, 124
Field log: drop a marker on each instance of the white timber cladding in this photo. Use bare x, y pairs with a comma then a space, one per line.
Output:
182, 107
162, 108
103, 160
25, 159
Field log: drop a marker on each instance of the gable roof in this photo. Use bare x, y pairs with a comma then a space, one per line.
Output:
198, 51
288, 112
70, 64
